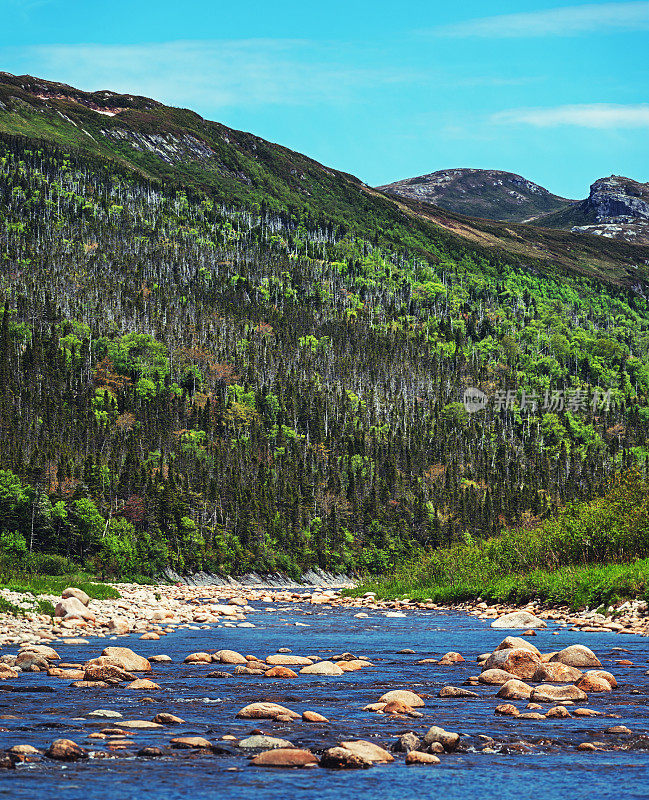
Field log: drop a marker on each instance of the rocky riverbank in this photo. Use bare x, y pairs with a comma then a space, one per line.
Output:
156, 611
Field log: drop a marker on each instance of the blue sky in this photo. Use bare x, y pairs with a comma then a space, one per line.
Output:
556, 91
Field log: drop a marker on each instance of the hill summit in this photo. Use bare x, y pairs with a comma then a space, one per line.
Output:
485, 193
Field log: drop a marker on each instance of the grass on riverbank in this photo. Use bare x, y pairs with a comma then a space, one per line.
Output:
590, 554
55, 584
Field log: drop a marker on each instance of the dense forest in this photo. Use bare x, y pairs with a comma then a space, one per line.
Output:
222, 387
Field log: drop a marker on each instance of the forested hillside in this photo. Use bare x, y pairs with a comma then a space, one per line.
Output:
186, 382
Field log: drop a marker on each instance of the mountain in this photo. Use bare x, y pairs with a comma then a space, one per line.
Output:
484, 193
616, 207
210, 362
177, 148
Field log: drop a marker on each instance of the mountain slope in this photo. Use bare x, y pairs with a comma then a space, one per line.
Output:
484, 193
178, 148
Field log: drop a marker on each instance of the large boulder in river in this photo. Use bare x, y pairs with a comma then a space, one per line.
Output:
448, 739
285, 757
517, 660
229, 657
369, 751
402, 696
266, 711
282, 660
495, 677
65, 750
126, 659
515, 690
547, 693
591, 682
556, 672
577, 655
512, 642
342, 758
518, 619
322, 668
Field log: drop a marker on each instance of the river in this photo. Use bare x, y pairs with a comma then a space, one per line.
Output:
546, 766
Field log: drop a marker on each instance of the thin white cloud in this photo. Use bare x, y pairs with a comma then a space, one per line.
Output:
211, 74
562, 21
593, 115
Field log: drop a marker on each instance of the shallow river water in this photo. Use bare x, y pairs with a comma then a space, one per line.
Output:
550, 766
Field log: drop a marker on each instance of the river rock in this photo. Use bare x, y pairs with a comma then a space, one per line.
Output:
7, 672
200, 658
140, 725
72, 591
518, 619
513, 642
602, 673
26, 660
369, 751
517, 660
515, 690
556, 672
355, 664
273, 672
593, 683
23, 751
191, 743
241, 670
66, 674
217, 673
283, 660
407, 742
448, 739
313, 716
266, 711
342, 758
287, 758
66, 750
143, 683
547, 693
163, 718
617, 729
403, 696
496, 677
151, 752
43, 650
507, 710
322, 668
577, 655
558, 712
262, 742
71, 608
107, 672
414, 758
456, 691
160, 659
104, 713
119, 626
229, 657
451, 658
126, 659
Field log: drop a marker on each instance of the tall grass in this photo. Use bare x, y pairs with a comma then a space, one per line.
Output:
590, 553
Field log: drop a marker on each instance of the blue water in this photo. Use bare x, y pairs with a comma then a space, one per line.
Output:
550, 768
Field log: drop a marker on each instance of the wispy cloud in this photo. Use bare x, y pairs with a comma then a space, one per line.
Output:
213, 74
562, 21
593, 115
